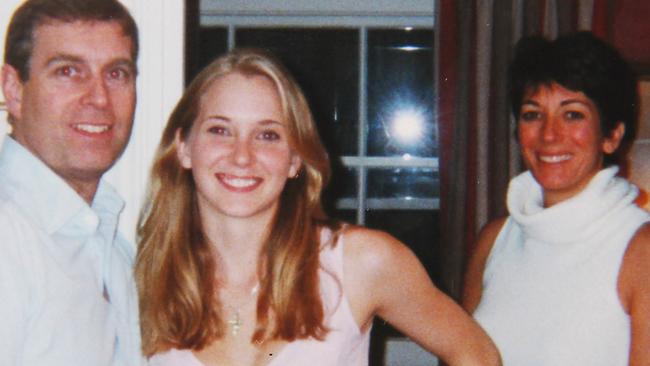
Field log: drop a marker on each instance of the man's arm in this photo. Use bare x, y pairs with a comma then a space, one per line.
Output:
14, 288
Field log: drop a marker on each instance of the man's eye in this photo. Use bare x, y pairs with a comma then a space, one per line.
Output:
120, 74
67, 71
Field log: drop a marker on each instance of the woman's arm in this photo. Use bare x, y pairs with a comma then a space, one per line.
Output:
473, 287
383, 277
634, 292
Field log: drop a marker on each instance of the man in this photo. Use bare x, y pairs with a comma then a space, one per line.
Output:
67, 296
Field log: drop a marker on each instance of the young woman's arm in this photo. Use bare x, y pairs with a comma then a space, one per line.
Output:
473, 286
634, 292
383, 277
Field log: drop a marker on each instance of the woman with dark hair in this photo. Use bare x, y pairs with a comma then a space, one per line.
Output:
565, 280
237, 262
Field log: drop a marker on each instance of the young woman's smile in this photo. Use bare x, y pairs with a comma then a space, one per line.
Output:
238, 184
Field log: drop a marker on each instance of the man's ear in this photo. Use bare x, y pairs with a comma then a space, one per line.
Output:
12, 88
613, 141
182, 151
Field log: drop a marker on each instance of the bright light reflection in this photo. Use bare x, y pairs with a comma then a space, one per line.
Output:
407, 125
406, 157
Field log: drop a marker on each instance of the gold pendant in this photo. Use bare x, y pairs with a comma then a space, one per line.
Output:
235, 323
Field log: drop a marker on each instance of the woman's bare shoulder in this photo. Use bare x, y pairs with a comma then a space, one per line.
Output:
486, 239
372, 259
370, 247
634, 276
472, 288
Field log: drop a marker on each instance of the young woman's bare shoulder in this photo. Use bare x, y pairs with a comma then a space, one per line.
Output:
371, 248
374, 259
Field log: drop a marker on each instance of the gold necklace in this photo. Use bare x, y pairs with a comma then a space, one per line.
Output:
235, 322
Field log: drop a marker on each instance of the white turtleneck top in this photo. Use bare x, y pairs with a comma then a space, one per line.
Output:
550, 282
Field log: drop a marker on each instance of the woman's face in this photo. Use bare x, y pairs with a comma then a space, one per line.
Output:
561, 141
238, 148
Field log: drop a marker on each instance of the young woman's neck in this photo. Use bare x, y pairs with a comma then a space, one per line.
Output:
237, 244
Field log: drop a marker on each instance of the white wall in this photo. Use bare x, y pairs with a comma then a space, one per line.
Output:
160, 85
403, 351
640, 154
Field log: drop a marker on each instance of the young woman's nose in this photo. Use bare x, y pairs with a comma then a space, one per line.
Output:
242, 151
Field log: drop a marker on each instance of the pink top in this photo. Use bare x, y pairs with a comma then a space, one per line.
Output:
344, 345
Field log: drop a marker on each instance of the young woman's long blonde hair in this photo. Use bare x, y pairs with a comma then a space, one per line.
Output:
175, 266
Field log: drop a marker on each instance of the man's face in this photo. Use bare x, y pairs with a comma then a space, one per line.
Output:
75, 111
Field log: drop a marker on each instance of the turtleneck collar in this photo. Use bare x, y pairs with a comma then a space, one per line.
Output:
573, 219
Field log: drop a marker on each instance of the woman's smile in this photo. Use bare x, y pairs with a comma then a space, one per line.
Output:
237, 183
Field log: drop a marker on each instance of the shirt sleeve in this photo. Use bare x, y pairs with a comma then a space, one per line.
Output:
15, 286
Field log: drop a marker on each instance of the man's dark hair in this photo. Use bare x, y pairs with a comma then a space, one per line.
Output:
19, 42
583, 63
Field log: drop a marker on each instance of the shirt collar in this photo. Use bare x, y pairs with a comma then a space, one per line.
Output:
45, 196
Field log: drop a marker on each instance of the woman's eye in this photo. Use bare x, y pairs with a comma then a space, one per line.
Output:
574, 115
218, 130
270, 135
529, 116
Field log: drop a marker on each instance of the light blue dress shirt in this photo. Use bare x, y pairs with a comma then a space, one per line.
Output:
67, 294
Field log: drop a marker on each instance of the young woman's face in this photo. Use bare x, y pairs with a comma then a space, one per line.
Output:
238, 148
561, 141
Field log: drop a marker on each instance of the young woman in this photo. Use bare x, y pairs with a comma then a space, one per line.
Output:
237, 262
564, 280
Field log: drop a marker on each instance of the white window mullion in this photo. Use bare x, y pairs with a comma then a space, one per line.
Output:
362, 171
232, 29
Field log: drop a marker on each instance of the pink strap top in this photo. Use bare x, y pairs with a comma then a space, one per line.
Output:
344, 345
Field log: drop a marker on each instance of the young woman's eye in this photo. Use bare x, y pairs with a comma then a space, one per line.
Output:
574, 115
527, 116
269, 136
218, 130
